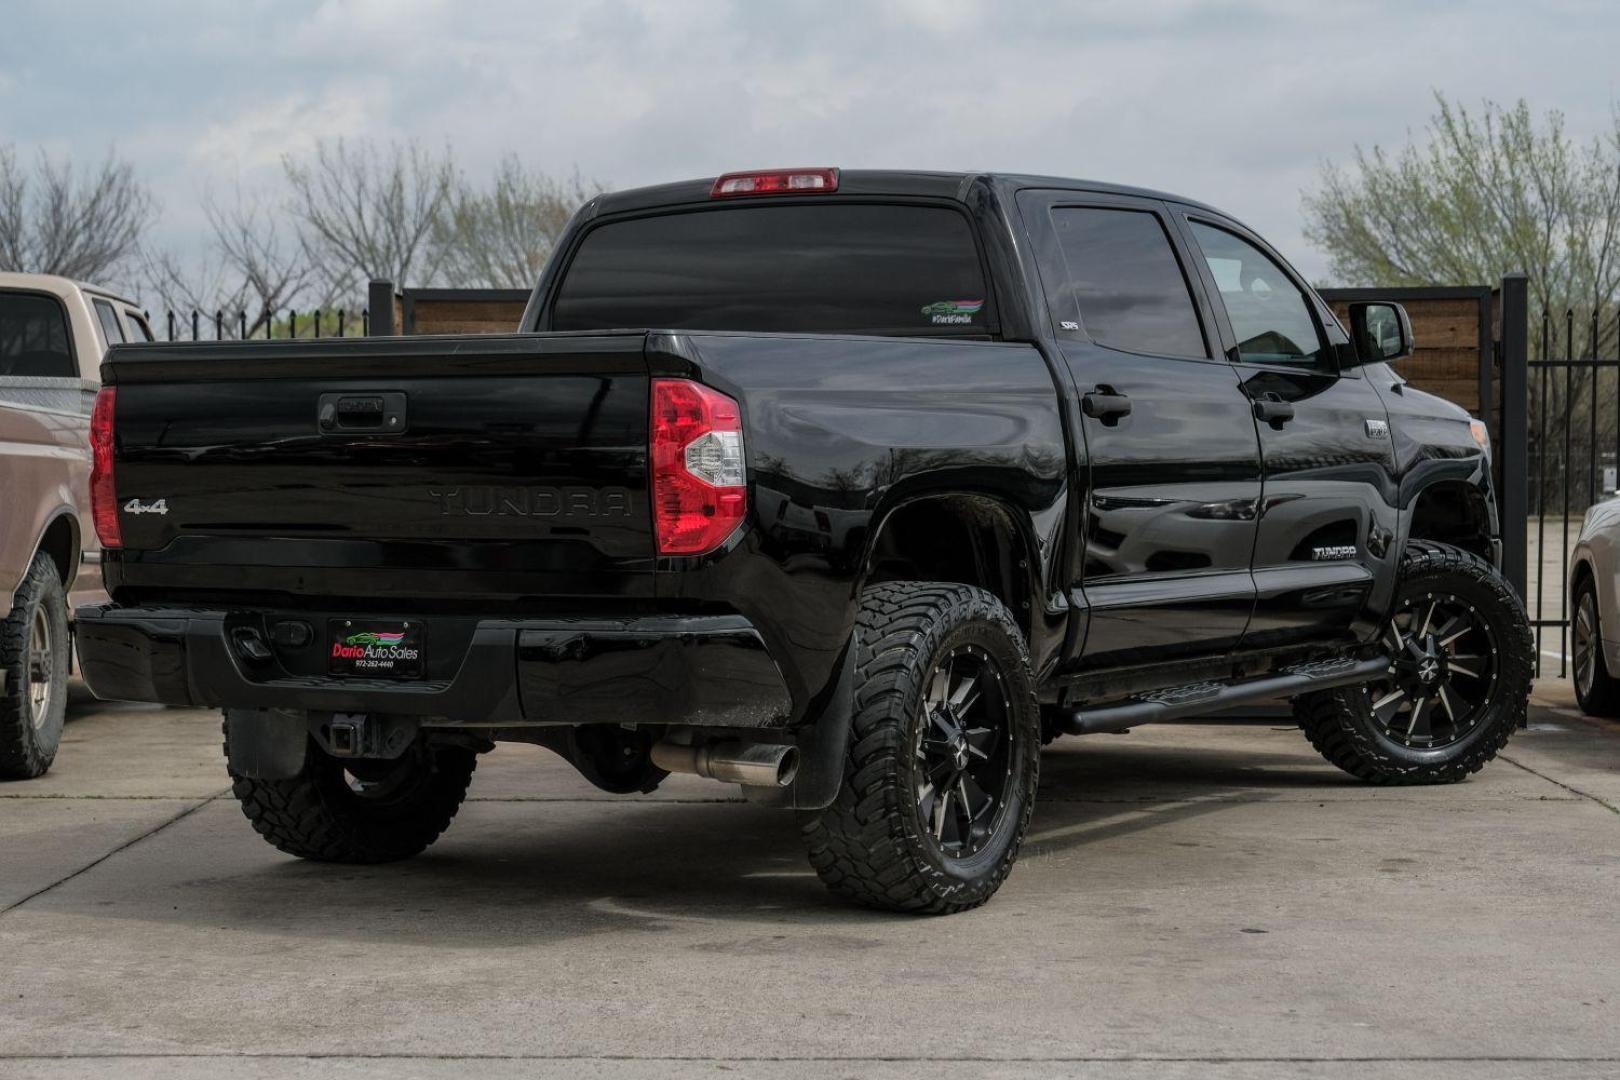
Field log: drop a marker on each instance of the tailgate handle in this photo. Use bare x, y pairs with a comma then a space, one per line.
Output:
362, 413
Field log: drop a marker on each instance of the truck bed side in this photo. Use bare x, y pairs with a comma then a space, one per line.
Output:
516, 484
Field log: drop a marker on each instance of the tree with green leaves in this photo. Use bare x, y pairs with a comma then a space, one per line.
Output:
1489, 191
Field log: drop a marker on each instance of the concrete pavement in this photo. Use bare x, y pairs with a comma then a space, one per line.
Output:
1195, 900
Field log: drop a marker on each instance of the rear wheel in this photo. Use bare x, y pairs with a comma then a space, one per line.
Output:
1596, 691
34, 646
1459, 680
940, 775
359, 811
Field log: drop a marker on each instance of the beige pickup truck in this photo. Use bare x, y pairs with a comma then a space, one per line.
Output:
53, 333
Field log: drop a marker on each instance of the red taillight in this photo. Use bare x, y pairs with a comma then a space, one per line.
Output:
103, 496
700, 491
775, 182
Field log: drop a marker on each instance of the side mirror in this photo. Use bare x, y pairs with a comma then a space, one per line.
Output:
1381, 330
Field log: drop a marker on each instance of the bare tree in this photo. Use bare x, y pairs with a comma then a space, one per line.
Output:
500, 237
205, 285
56, 220
365, 212
251, 271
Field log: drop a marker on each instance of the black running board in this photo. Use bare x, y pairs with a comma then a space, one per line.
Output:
1202, 698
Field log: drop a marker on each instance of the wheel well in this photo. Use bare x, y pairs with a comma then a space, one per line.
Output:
1577, 576
61, 543
969, 539
1453, 513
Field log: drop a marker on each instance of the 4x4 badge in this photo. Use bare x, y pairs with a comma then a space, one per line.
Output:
1377, 429
135, 506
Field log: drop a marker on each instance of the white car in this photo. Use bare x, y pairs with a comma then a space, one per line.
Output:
1594, 604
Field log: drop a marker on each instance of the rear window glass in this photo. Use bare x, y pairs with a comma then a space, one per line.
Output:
836, 268
34, 337
1126, 282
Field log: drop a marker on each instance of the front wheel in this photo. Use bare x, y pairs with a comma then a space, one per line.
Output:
940, 775
1458, 683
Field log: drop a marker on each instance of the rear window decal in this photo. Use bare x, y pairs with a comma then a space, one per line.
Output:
943, 312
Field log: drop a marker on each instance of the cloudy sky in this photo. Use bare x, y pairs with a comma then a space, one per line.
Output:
1235, 102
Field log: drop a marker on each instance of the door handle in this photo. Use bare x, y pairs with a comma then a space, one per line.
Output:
381, 413
1273, 410
1106, 405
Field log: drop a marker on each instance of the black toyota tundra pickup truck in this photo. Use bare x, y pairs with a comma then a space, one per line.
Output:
854, 488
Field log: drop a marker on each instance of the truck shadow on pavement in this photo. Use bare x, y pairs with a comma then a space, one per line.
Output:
516, 870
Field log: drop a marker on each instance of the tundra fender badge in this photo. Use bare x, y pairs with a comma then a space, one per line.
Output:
1334, 551
1377, 429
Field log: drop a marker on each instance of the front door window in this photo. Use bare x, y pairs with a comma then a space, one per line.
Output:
1270, 316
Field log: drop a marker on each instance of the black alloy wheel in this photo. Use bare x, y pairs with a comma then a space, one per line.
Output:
943, 759
964, 768
1461, 658
1445, 667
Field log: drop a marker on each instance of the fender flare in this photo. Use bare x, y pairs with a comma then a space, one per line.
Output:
75, 542
1018, 520
1421, 481
75, 553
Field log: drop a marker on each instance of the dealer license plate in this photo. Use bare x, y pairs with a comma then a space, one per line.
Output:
379, 648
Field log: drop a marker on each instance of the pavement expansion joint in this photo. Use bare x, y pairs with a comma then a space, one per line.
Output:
125, 846
1609, 806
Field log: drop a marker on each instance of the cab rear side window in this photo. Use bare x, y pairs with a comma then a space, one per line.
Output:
34, 338
835, 268
111, 328
1126, 283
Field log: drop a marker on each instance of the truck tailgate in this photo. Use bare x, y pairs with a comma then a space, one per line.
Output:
487, 468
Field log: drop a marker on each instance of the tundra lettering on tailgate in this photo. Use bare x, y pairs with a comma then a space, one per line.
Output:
547, 502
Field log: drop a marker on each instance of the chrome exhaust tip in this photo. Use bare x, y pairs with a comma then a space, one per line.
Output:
732, 762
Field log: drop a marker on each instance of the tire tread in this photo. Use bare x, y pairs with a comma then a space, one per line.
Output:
1333, 720
304, 816
862, 845
24, 755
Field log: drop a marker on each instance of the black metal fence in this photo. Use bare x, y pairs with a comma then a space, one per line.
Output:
223, 326
1574, 455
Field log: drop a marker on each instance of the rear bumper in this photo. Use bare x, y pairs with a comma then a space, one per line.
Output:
711, 670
